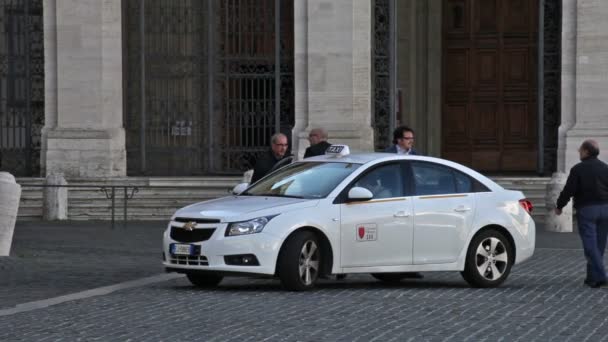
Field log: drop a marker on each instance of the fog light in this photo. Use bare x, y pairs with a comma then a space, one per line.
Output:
241, 260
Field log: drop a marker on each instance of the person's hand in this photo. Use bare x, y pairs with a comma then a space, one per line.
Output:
558, 211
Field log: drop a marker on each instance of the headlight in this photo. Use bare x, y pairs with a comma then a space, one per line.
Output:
248, 227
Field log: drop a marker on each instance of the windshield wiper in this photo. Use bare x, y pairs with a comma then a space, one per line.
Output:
279, 195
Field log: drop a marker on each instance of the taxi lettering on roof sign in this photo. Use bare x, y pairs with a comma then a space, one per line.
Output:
337, 151
378, 213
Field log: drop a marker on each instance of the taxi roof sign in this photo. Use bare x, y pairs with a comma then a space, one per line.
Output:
337, 151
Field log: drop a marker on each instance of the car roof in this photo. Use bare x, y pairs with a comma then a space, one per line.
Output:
378, 157
364, 158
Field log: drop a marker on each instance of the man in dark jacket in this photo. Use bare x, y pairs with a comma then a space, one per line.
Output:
588, 184
403, 141
268, 160
318, 143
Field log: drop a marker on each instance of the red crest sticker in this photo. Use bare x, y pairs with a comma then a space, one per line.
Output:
361, 232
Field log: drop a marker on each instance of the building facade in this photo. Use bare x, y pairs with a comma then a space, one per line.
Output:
108, 88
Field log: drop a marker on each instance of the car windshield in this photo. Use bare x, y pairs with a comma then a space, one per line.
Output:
303, 180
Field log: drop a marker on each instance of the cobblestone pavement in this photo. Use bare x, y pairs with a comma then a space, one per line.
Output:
543, 299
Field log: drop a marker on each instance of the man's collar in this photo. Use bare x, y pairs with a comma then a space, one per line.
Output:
401, 150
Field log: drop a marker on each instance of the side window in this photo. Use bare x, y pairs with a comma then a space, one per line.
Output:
433, 179
384, 182
464, 183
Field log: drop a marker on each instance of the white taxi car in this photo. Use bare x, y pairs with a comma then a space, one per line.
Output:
378, 213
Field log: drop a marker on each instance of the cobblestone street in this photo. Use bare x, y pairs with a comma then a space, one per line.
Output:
544, 299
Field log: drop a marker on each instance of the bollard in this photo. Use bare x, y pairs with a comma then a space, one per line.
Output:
10, 194
563, 222
247, 176
55, 198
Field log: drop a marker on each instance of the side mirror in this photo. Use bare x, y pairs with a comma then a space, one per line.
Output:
359, 194
237, 190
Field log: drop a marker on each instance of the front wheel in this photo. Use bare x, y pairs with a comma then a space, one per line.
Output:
489, 259
204, 280
299, 261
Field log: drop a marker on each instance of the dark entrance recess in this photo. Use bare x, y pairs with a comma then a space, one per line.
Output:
207, 83
21, 86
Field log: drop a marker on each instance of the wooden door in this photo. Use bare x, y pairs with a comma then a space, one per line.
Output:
489, 111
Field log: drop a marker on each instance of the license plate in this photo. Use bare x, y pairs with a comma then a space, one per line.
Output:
179, 249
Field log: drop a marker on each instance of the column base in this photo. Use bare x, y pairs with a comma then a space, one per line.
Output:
576, 136
84, 153
557, 223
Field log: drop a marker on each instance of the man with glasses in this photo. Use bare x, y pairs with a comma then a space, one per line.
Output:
403, 141
318, 143
268, 160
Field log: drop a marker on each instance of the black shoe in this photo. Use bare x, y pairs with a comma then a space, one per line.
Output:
340, 276
597, 284
412, 275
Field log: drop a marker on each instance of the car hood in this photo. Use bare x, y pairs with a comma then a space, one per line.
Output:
239, 207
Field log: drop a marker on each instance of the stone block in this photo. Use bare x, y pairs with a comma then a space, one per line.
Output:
557, 223
10, 194
55, 205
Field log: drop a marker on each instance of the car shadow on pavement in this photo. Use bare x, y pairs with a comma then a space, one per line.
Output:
237, 284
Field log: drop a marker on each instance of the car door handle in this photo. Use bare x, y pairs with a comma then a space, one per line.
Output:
401, 214
462, 209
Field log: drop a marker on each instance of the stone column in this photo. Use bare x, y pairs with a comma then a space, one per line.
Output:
83, 134
10, 194
55, 203
584, 89
333, 71
591, 79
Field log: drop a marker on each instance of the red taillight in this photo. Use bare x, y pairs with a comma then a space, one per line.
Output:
527, 205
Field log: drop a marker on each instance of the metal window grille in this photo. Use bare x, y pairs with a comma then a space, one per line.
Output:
21, 86
203, 80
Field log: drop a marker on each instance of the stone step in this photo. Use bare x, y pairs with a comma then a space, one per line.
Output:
168, 194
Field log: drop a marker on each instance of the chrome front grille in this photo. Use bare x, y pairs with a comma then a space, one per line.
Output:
196, 235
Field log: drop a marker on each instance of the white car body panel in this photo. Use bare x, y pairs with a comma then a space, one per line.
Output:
442, 224
392, 221
426, 235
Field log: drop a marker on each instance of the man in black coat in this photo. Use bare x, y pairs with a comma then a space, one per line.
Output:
588, 184
318, 143
265, 163
403, 141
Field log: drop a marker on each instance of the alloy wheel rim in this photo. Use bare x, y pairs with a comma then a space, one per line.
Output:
309, 262
491, 258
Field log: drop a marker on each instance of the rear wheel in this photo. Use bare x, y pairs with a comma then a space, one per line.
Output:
204, 280
300, 261
489, 259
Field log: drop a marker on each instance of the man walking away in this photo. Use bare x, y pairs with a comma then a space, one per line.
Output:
588, 184
318, 143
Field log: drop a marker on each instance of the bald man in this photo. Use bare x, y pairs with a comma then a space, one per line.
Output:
267, 162
588, 184
318, 143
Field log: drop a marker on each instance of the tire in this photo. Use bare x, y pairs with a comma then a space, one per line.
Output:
489, 259
390, 278
204, 280
300, 261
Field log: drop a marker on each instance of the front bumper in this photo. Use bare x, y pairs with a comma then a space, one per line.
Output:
264, 246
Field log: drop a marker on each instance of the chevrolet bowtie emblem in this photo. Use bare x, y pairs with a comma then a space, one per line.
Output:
189, 226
